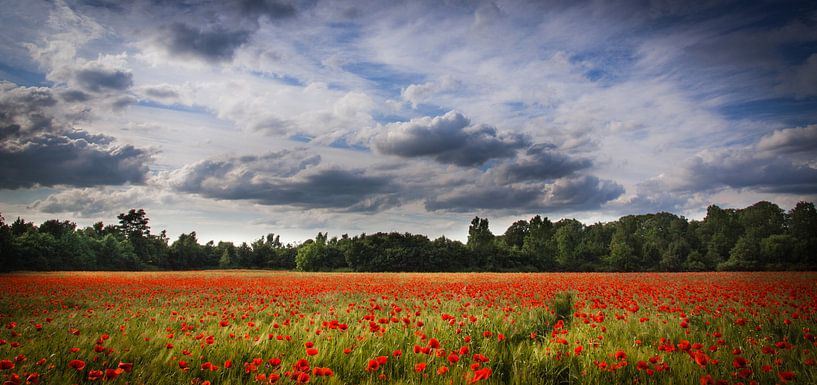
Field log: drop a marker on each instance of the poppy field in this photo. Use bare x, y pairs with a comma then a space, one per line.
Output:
253, 327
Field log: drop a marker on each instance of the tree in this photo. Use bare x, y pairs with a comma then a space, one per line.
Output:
6, 262
762, 219
539, 245
134, 223
479, 236
56, 228
568, 236
134, 226
310, 255
185, 252
802, 226
745, 255
516, 233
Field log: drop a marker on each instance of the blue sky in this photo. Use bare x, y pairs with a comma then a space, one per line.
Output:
240, 118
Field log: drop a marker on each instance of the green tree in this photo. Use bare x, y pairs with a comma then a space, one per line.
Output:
185, 252
802, 226
539, 244
310, 255
516, 233
745, 255
568, 236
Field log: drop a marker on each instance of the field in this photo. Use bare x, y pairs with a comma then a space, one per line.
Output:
245, 327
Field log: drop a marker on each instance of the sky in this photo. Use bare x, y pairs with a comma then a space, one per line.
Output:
235, 119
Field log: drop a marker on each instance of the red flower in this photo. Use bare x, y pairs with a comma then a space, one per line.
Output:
95, 375
113, 373
77, 364
786, 376
481, 374
311, 351
453, 358
6, 365
372, 366
420, 367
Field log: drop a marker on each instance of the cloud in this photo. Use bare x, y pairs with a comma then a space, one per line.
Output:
39, 147
791, 140
449, 139
69, 159
581, 193
215, 45
486, 198
286, 178
577, 193
103, 79
801, 80
419, 93
25, 110
91, 202
272, 9
540, 162
744, 168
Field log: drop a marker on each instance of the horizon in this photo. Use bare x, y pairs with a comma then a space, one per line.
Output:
241, 118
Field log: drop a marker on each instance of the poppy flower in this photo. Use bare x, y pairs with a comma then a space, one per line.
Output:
113, 373
311, 351
95, 375
76, 364
6, 365
786, 376
372, 366
420, 367
481, 374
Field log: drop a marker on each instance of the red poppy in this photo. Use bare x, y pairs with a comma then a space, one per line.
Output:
76, 364
481, 374
113, 373
95, 375
786, 376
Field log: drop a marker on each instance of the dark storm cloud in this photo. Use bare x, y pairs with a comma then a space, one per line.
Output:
270, 8
214, 45
286, 178
37, 147
103, 79
74, 159
490, 198
161, 92
583, 192
791, 140
539, 163
24, 110
738, 168
449, 139
72, 96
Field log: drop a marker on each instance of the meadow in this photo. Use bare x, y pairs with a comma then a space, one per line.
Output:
257, 327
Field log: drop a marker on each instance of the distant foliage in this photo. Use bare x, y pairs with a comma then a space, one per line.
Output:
759, 237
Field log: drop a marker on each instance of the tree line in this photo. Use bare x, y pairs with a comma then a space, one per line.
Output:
759, 237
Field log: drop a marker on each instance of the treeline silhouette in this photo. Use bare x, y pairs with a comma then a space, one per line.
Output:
759, 237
